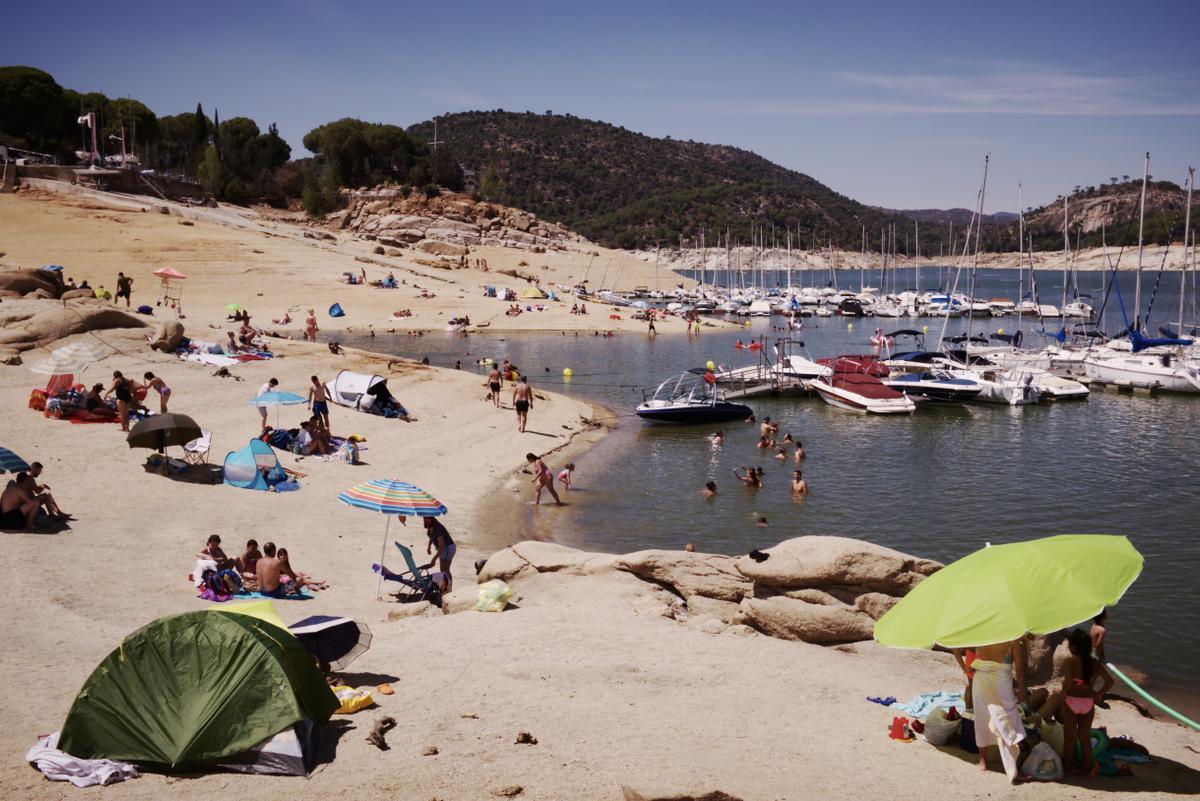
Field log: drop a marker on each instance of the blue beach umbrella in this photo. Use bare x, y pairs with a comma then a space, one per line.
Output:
391, 497
11, 463
276, 399
336, 641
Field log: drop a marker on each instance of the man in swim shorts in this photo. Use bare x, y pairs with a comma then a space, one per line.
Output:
494, 382
318, 401
267, 573
522, 402
124, 288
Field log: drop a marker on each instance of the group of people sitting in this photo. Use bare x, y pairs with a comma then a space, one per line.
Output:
24, 499
268, 572
243, 340
402, 313
513, 310
578, 308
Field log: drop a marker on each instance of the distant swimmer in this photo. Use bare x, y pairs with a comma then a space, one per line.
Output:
718, 439
799, 454
799, 485
752, 478
710, 489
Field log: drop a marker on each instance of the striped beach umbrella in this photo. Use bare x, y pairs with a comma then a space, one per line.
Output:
391, 497
57, 366
83, 352
11, 463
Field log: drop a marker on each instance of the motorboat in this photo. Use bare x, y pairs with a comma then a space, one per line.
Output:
938, 386
1163, 370
759, 308
690, 398
846, 385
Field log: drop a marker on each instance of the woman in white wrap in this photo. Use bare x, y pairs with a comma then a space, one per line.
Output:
997, 720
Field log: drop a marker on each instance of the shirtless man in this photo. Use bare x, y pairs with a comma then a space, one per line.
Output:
799, 485
41, 493
268, 571
767, 429
522, 402
710, 490
997, 720
248, 561
17, 510
494, 381
318, 401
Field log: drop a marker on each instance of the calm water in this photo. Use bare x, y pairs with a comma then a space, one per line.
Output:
939, 483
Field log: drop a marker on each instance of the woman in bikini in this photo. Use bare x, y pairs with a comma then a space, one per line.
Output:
310, 326
122, 387
543, 478
164, 392
1080, 672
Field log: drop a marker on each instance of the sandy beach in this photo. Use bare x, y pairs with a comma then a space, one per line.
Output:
616, 693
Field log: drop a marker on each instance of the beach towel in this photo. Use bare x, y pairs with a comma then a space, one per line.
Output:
303, 595
60, 766
997, 720
921, 705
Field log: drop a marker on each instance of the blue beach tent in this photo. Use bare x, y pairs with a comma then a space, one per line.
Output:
253, 467
336, 310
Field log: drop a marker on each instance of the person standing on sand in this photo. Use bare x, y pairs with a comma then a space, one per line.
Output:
262, 410
522, 402
318, 402
310, 326
1097, 632
997, 720
543, 478
124, 288
122, 387
160, 386
652, 332
494, 381
441, 546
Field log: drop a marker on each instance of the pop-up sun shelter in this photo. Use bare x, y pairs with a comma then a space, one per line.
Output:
200, 690
253, 467
367, 393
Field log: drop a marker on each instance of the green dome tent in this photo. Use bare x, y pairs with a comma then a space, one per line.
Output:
198, 690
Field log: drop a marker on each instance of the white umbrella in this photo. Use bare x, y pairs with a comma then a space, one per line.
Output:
82, 352
57, 366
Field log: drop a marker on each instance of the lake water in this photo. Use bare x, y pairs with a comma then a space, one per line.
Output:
939, 483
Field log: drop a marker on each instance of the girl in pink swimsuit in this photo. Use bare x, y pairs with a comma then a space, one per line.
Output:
543, 478
1080, 672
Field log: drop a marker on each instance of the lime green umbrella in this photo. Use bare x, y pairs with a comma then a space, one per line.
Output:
1000, 593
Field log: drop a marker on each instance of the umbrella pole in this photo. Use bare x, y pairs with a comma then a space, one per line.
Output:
382, 553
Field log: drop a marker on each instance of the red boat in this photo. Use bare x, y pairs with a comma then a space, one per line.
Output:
867, 363
851, 383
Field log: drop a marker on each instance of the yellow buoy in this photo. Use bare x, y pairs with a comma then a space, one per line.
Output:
567, 372
709, 364
747, 323
1001, 331
924, 329
849, 326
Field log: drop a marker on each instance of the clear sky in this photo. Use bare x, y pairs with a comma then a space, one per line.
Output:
892, 103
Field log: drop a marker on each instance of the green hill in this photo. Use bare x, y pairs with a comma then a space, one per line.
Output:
625, 189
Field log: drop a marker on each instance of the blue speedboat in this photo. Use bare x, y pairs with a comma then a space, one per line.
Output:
690, 398
938, 386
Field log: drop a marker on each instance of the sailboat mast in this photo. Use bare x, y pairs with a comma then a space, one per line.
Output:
1187, 229
1066, 255
1137, 292
1020, 254
975, 260
917, 263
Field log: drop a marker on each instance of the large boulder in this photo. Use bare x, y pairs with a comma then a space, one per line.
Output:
76, 294
26, 324
644, 793
534, 556
794, 619
168, 337
26, 282
438, 248
706, 574
815, 561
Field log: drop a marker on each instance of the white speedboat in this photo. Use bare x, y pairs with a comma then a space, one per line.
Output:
1165, 370
844, 385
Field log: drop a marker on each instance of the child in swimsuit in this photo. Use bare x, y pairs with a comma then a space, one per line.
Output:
564, 475
1080, 672
164, 392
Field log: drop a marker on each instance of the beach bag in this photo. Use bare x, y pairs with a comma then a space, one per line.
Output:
1043, 764
352, 700
966, 736
37, 400
938, 730
493, 596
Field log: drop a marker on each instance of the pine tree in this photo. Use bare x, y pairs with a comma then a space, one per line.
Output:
310, 198
490, 187
209, 172
199, 129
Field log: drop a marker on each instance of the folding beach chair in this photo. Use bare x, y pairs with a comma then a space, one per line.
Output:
417, 578
196, 451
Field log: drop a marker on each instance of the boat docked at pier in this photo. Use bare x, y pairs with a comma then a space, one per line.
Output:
688, 399
848, 384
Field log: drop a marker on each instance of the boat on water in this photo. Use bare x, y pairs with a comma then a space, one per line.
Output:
937, 386
1165, 369
848, 384
688, 399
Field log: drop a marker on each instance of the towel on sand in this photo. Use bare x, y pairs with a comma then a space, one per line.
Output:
60, 766
921, 705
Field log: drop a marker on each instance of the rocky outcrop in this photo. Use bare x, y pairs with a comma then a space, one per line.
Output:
31, 283
643, 793
168, 336
460, 221
25, 324
822, 590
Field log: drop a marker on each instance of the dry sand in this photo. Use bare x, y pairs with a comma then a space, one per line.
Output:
614, 696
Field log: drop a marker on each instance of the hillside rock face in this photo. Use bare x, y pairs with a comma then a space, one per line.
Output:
446, 225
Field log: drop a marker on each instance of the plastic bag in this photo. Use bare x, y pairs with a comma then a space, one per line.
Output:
938, 730
1052, 733
352, 700
1043, 764
493, 596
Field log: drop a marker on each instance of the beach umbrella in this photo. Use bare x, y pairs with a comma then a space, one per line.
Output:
277, 399
168, 272
160, 430
391, 497
336, 641
1004, 591
56, 366
83, 352
11, 463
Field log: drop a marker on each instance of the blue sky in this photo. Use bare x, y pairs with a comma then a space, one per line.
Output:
894, 104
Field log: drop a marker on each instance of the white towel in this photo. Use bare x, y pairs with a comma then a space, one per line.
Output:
997, 719
198, 570
60, 766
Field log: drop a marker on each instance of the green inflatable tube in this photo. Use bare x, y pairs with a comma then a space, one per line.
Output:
1147, 696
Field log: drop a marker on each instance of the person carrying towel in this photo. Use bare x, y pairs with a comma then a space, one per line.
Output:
997, 719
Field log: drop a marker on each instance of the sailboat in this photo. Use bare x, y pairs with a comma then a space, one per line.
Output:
1152, 363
